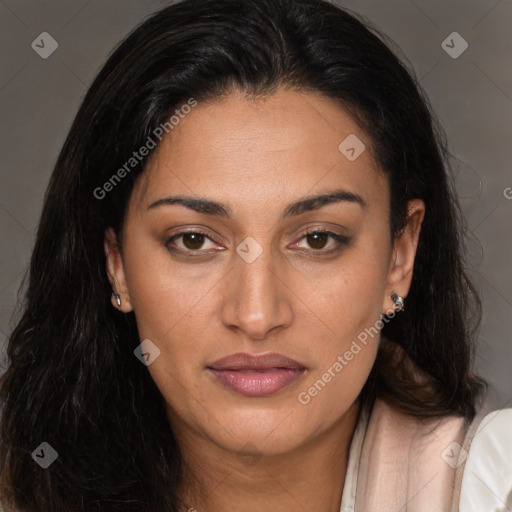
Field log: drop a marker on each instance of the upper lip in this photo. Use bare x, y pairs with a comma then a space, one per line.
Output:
244, 361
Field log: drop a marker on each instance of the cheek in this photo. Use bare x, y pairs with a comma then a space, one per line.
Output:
167, 297
348, 297
345, 354
328, 393
348, 300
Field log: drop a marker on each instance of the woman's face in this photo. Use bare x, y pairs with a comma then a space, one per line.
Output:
253, 282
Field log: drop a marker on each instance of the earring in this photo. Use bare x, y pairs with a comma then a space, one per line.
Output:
117, 297
398, 300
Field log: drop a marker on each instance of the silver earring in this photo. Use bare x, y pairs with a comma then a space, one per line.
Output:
117, 297
398, 300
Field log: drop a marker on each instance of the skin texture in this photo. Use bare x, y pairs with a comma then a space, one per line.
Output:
256, 156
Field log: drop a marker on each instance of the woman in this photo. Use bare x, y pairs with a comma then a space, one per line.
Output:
216, 311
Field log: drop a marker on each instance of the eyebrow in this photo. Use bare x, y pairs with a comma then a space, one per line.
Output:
305, 204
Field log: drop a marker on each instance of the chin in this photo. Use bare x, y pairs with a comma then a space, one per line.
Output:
268, 433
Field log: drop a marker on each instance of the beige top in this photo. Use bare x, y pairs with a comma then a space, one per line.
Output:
349, 488
440, 466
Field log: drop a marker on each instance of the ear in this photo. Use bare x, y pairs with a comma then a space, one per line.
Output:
404, 253
115, 271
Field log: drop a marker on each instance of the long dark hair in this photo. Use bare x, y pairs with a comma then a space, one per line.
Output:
72, 379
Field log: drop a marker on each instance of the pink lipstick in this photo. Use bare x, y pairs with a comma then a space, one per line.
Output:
256, 375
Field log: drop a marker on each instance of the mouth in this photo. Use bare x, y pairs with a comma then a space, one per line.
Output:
256, 375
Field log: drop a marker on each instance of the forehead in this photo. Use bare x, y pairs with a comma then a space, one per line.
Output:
243, 151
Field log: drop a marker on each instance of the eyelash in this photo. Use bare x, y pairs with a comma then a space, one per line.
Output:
340, 239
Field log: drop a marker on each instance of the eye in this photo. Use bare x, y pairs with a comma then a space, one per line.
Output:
191, 242
318, 238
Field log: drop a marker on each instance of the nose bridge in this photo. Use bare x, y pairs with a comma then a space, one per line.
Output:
257, 300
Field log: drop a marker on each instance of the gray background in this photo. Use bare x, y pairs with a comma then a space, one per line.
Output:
472, 96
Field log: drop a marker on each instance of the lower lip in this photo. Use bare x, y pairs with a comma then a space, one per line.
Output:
258, 383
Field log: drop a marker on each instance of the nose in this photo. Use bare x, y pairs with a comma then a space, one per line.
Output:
257, 299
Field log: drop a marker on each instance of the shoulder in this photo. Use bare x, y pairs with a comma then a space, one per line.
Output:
487, 476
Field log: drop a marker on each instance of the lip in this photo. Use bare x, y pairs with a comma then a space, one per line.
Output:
256, 375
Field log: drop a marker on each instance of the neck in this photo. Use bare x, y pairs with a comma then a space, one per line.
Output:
311, 477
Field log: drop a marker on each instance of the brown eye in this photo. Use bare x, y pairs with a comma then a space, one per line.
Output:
317, 239
189, 243
193, 241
